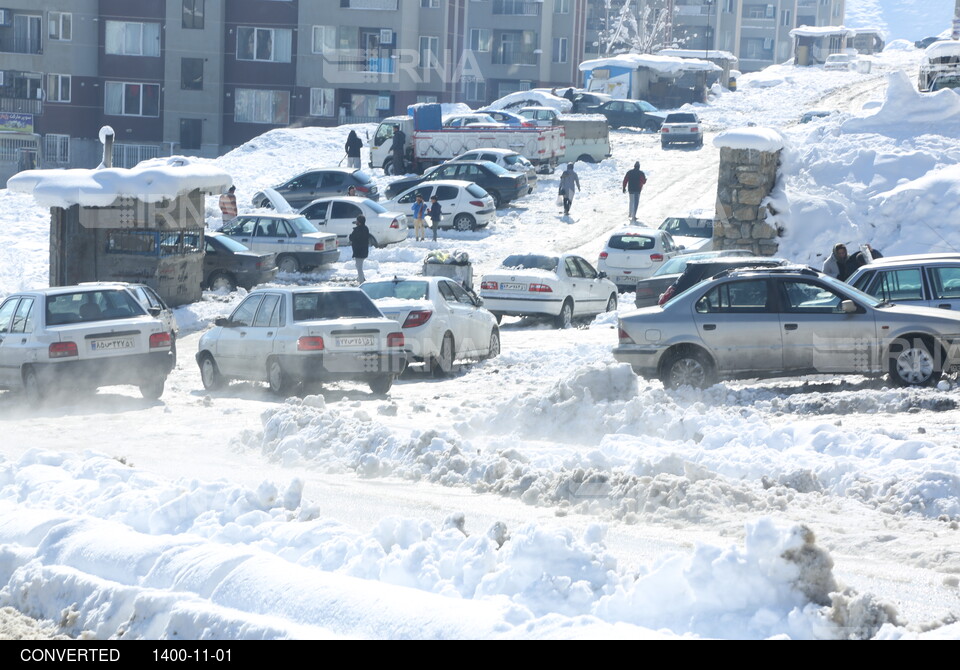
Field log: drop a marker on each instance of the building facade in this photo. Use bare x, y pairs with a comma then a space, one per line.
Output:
198, 77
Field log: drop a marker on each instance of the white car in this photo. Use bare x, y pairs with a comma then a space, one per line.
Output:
441, 322
542, 116
81, 337
840, 62
635, 253
151, 301
336, 215
464, 205
563, 287
296, 242
682, 127
691, 233
472, 121
286, 337
505, 158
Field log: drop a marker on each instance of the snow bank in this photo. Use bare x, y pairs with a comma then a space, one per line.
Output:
942, 49
150, 181
665, 65
535, 97
905, 107
760, 139
900, 45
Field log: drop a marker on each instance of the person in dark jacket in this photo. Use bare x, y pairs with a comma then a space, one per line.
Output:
633, 183
398, 146
360, 242
353, 146
435, 214
838, 265
569, 185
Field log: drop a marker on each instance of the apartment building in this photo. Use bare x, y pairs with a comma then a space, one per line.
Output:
199, 77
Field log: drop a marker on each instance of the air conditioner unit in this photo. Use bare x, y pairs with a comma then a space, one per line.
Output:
6, 17
386, 36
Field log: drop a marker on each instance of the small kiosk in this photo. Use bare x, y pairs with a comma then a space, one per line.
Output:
144, 224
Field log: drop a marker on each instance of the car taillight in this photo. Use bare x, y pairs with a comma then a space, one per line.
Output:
362, 189
417, 317
489, 285
694, 130
539, 288
664, 130
395, 340
666, 295
319, 246
310, 343
476, 203
395, 224
656, 258
62, 349
528, 124
258, 265
624, 338
644, 290
160, 341
603, 255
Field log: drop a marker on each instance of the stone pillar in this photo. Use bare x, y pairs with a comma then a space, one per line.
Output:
746, 177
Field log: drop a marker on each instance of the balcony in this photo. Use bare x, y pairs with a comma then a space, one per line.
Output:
511, 57
517, 7
757, 22
21, 105
694, 10
21, 45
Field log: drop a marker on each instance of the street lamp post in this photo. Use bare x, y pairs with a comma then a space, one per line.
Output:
709, 36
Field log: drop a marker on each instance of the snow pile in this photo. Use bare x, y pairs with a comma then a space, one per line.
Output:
150, 181
937, 113
821, 31
670, 66
900, 45
534, 97
758, 139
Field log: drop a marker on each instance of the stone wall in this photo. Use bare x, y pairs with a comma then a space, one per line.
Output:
746, 177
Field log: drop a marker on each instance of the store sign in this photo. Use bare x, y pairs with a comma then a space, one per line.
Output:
16, 122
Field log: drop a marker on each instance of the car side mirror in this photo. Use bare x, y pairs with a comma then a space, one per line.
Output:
154, 311
222, 321
601, 275
848, 307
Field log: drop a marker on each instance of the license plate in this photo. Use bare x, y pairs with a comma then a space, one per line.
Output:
355, 341
113, 344
626, 279
512, 287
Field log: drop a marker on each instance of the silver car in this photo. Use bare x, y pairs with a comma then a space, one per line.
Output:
785, 322
930, 280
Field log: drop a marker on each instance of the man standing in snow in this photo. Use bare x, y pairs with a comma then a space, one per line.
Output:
352, 148
435, 215
838, 265
569, 185
633, 183
419, 214
360, 242
398, 146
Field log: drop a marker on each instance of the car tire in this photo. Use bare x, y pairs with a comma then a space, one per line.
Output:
497, 200
381, 385
586, 158
442, 364
493, 350
686, 366
277, 378
565, 318
222, 280
913, 362
35, 391
388, 166
464, 222
287, 263
173, 350
664, 145
152, 389
612, 303
210, 375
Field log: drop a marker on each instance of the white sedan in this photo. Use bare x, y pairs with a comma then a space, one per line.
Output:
563, 287
464, 205
336, 215
441, 322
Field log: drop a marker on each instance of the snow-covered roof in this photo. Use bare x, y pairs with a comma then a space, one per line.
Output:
658, 63
151, 181
822, 31
942, 49
523, 98
761, 139
699, 53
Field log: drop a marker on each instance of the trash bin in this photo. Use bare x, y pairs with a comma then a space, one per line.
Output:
454, 265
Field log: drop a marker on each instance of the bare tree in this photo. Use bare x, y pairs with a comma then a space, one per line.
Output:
635, 28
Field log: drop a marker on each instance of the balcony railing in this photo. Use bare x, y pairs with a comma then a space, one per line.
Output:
361, 63
511, 57
21, 45
517, 7
22, 105
695, 10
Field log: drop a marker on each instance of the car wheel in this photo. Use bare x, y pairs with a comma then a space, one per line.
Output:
152, 389
374, 243
612, 303
33, 388
497, 200
443, 361
686, 367
464, 222
280, 382
498, 316
388, 166
381, 385
210, 375
173, 350
913, 364
614, 126
664, 145
565, 318
222, 281
586, 158
494, 349
288, 264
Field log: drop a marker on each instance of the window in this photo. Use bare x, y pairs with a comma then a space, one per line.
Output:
737, 297
559, 49
427, 98
61, 26
191, 74
324, 39
429, 4
809, 298
256, 106
6, 314
132, 242
24, 317
128, 155
243, 316
125, 38
480, 39
264, 44
268, 314
125, 99
785, 17
56, 149
58, 88
191, 133
561, 7
945, 283
473, 89
193, 14
345, 210
322, 102
429, 47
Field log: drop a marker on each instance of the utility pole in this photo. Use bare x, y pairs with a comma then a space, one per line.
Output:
956, 21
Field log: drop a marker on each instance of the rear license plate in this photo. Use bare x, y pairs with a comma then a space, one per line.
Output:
113, 344
355, 341
626, 279
513, 287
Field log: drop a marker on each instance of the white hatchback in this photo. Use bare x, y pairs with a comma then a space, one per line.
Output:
336, 215
634, 253
464, 205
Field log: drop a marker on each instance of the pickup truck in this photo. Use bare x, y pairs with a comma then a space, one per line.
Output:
544, 147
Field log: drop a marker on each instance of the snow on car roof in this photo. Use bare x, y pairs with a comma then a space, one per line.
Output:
661, 64
821, 31
942, 49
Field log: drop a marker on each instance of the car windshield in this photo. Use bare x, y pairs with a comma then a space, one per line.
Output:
303, 226
229, 244
631, 242
688, 227
678, 264
531, 262
515, 159
843, 287
647, 107
476, 191
681, 118
333, 305
87, 306
404, 289
375, 206
496, 169
362, 177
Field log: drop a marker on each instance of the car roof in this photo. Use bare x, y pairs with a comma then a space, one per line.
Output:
306, 289
487, 150
350, 170
734, 260
268, 214
349, 198
462, 183
75, 288
915, 258
637, 230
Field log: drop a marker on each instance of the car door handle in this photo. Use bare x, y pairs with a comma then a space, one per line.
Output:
790, 326
243, 334
709, 326
270, 334
945, 306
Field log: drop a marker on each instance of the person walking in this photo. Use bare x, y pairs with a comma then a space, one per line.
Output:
228, 204
398, 146
838, 264
353, 146
633, 183
435, 214
360, 243
569, 185
419, 214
